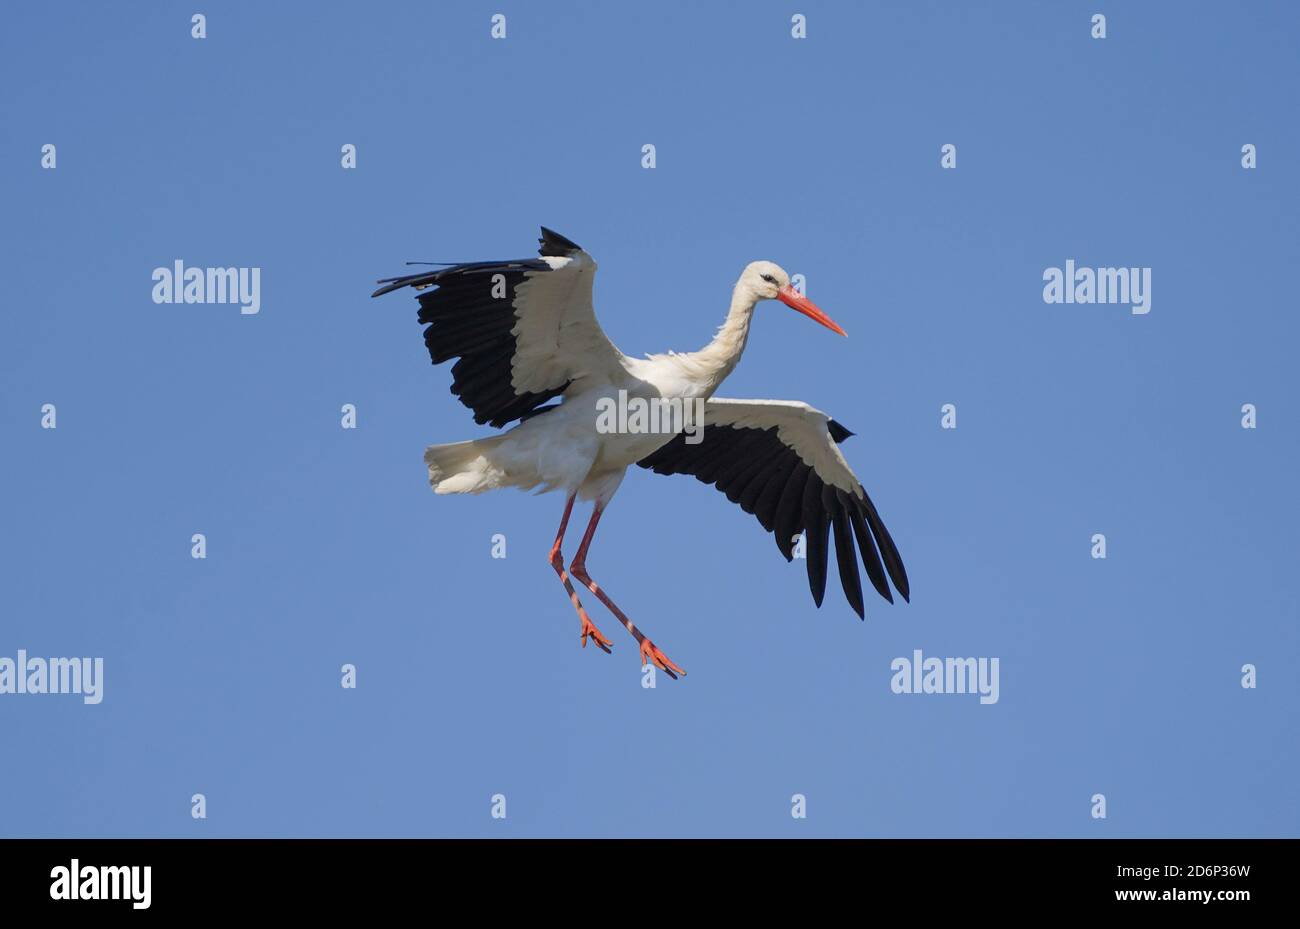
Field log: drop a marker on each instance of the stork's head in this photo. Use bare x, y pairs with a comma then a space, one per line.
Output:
767, 281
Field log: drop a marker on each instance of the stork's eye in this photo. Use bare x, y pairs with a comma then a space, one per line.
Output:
769, 278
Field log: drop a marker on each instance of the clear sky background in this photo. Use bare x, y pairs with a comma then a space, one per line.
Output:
326, 547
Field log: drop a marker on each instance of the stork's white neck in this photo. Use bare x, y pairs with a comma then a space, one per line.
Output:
720, 357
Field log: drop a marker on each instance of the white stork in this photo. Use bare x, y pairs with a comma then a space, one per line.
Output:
525, 333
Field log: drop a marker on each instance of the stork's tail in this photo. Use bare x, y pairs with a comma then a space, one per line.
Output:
466, 467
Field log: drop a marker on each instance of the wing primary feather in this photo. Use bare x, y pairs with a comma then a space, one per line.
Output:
889, 552
815, 537
870, 559
845, 555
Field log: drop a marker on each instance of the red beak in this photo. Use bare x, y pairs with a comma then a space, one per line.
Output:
797, 301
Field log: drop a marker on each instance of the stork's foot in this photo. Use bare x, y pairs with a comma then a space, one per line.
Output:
650, 654
589, 630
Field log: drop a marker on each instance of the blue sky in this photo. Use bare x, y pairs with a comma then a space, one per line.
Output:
1118, 676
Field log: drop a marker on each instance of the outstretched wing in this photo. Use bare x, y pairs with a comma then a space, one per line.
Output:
523, 331
780, 460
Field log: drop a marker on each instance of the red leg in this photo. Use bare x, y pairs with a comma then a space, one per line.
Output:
650, 653
557, 562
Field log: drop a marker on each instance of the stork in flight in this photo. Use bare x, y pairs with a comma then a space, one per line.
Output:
525, 333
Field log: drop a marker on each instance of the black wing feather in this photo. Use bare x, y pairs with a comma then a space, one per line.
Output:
764, 506
844, 553
870, 559
758, 481
893, 562
789, 510
815, 536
